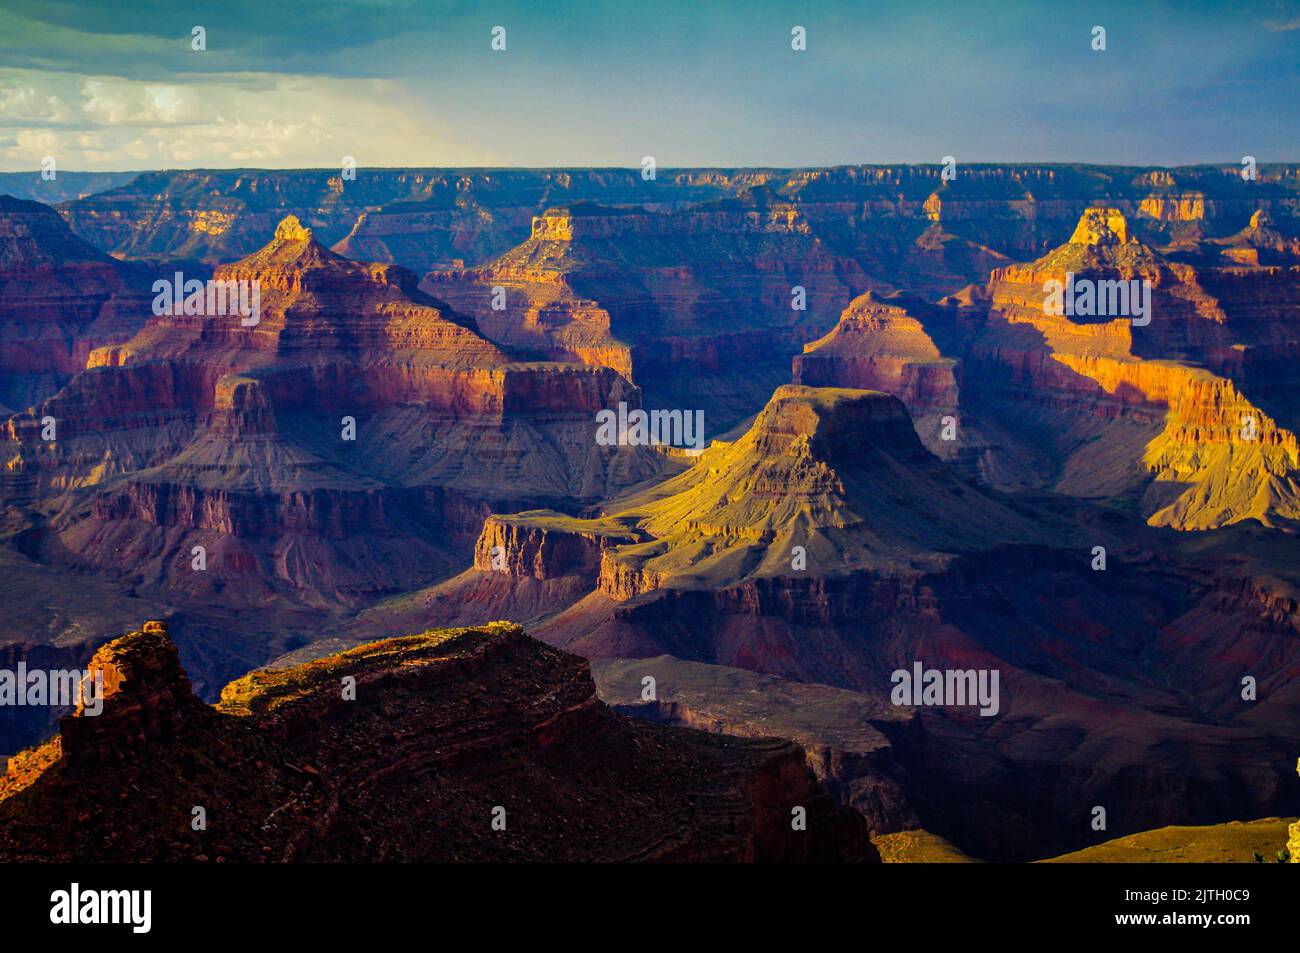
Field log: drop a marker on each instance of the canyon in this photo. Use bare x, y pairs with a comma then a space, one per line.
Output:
827, 546
911, 459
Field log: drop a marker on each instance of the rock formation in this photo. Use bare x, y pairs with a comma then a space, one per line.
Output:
59, 299
828, 484
1118, 402
348, 441
658, 298
903, 559
880, 344
1110, 526
470, 744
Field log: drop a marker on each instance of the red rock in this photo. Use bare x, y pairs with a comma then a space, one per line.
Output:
577, 781
59, 299
201, 431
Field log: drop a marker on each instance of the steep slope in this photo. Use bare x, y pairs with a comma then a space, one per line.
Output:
205, 431
678, 301
472, 744
59, 299
836, 728
901, 345
827, 501
1117, 401
1120, 685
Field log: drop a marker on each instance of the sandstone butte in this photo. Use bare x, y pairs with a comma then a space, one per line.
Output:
879, 343
200, 431
839, 472
1142, 419
445, 727
904, 556
1096, 408
694, 320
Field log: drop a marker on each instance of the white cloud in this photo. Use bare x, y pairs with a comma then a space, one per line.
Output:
26, 102
108, 123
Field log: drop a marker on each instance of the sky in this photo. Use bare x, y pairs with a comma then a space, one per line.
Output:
116, 86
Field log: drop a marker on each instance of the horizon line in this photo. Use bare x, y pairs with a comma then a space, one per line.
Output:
994, 163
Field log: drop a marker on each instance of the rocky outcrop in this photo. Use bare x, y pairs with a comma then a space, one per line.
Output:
59, 299
879, 345
344, 441
662, 300
146, 697
1174, 206
471, 744
544, 545
1197, 451
1100, 227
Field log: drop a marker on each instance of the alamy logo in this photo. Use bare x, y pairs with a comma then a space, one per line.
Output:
639, 428
59, 688
1102, 299
134, 907
949, 687
215, 298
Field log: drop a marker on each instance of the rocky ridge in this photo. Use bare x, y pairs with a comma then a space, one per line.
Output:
60, 298
404, 749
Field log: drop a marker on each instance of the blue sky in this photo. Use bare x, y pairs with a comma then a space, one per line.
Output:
285, 83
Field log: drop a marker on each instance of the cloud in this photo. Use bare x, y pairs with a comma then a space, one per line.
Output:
403, 82
28, 103
110, 102
151, 40
111, 123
